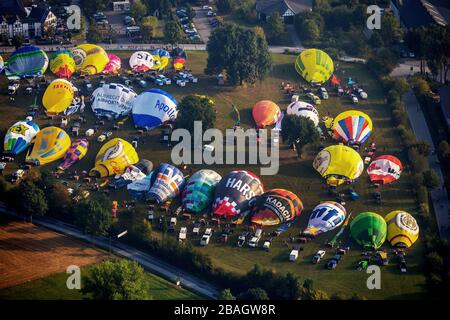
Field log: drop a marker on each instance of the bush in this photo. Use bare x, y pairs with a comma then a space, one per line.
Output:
431, 179
418, 162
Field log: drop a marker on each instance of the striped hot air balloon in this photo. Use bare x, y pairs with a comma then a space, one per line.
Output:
353, 127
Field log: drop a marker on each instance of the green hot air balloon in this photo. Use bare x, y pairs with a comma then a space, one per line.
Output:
369, 230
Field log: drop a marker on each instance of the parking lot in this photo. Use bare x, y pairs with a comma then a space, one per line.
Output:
202, 23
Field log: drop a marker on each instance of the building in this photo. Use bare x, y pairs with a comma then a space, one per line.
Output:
286, 8
417, 13
28, 22
444, 94
121, 6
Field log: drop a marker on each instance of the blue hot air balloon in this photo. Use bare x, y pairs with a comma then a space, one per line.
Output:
325, 217
26, 62
152, 108
167, 183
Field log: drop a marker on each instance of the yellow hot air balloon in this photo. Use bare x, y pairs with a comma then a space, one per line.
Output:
314, 65
62, 64
113, 158
58, 96
90, 58
338, 163
50, 144
402, 228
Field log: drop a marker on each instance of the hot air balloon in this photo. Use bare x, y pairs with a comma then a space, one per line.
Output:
369, 230
113, 65
167, 183
76, 152
325, 217
276, 206
141, 61
265, 113
402, 229
62, 64
26, 62
19, 137
113, 158
161, 59
199, 191
50, 144
179, 58
314, 65
234, 193
385, 169
153, 107
90, 59
338, 163
58, 96
303, 109
112, 100
2, 64
132, 173
139, 188
353, 127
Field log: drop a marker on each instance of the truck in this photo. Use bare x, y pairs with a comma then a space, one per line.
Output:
293, 255
318, 256
267, 243
17, 176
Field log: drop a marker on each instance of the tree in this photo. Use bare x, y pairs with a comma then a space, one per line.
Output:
93, 217
117, 280
390, 31
173, 32
59, 199
242, 53
276, 25
310, 30
138, 10
148, 27
225, 6
30, 200
444, 149
17, 41
253, 294
430, 179
195, 108
299, 131
376, 40
226, 295
92, 6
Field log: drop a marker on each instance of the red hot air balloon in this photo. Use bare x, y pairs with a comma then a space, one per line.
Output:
385, 169
234, 193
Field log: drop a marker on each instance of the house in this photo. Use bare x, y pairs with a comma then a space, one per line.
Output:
28, 22
286, 8
444, 93
121, 6
417, 13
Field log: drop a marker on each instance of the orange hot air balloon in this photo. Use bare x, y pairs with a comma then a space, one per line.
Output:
266, 113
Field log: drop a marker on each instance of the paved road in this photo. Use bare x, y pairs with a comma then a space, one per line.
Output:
201, 21
439, 196
148, 261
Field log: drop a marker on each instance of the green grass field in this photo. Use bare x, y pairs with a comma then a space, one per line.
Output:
295, 175
54, 288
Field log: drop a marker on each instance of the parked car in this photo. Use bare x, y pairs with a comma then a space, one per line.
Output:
17, 176
323, 93
318, 256
267, 243
182, 234
242, 238
204, 241
332, 264
253, 243
315, 99
207, 8
293, 255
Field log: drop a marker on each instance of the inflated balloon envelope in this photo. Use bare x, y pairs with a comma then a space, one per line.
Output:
326, 216
50, 144
26, 62
113, 158
276, 206
369, 230
167, 182
402, 229
58, 96
19, 137
90, 59
62, 64
75, 153
199, 191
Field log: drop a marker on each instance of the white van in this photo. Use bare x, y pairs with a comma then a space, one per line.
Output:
293, 255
